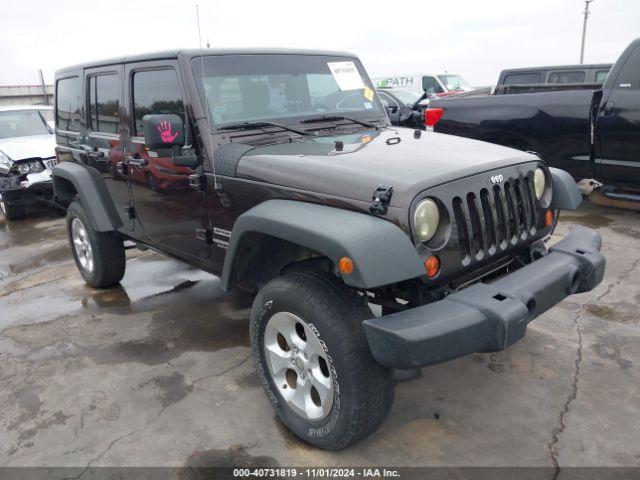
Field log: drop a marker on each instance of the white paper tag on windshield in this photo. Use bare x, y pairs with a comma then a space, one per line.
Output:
346, 75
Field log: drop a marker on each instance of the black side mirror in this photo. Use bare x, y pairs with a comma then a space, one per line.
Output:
163, 131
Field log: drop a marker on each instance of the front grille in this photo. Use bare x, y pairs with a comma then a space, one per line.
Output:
49, 163
490, 221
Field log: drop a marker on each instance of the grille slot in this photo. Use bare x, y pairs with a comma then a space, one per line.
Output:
491, 220
461, 226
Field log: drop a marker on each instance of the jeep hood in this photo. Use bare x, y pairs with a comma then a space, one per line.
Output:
391, 157
35, 146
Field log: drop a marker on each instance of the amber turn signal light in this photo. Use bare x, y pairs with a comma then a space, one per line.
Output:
548, 218
345, 265
432, 266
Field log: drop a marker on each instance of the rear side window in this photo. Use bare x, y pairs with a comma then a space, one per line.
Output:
601, 76
521, 79
431, 85
629, 76
155, 92
573, 76
68, 103
104, 103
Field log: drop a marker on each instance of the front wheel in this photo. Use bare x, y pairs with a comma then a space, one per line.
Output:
99, 256
314, 361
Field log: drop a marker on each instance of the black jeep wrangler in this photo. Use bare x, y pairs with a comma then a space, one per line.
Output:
279, 171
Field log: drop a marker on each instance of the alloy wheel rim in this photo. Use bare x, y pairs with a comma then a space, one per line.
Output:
299, 366
81, 244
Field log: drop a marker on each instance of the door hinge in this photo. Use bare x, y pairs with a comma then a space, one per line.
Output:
121, 169
381, 199
130, 212
204, 234
197, 182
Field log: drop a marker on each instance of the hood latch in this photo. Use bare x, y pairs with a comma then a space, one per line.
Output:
381, 199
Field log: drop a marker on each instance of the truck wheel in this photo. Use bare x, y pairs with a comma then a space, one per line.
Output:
314, 362
12, 212
99, 256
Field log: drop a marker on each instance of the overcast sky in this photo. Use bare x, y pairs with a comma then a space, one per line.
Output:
476, 38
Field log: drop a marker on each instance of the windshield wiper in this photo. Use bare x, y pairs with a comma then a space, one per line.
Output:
260, 124
332, 118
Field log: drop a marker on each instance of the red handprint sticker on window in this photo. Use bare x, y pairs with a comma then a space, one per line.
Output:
165, 132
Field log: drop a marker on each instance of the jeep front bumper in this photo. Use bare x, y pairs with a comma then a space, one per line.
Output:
487, 316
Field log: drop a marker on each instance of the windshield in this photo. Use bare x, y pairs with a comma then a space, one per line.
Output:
454, 82
22, 123
406, 96
247, 88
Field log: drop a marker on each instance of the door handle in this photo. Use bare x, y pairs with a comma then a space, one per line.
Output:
135, 162
609, 108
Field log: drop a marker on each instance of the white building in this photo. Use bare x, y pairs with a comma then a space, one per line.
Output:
26, 95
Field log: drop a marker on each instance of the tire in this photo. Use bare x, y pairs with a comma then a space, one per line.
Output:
152, 183
361, 391
12, 212
99, 256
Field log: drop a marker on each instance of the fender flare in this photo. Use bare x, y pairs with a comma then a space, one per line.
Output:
381, 252
93, 194
566, 194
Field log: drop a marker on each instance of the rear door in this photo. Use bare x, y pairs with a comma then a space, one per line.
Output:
102, 147
171, 213
617, 149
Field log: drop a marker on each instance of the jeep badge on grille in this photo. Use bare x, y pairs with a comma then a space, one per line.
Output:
497, 178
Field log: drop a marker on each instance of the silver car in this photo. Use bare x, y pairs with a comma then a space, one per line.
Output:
27, 155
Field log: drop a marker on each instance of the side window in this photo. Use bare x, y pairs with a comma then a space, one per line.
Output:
68, 102
601, 76
155, 92
571, 76
521, 79
389, 99
104, 103
430, 85
629, 76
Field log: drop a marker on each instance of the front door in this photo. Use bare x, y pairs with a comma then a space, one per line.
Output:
171, 213
617, 152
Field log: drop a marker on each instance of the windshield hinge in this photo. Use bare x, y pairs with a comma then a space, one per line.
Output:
381, 199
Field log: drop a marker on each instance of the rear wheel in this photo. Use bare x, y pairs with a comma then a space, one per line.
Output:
314, 361
99, 256
10, 211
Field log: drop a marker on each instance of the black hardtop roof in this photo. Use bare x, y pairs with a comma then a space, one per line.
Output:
196, 52
560, 67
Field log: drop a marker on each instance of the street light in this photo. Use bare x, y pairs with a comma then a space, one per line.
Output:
584, 28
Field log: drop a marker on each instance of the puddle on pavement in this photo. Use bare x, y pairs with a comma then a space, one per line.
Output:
41, 226
172, 388
235, 456
191, 316
622, 313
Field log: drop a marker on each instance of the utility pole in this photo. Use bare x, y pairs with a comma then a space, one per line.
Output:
44, 88
584, 28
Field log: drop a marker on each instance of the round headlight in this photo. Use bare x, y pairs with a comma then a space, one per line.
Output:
23, 167
425, 219
35, 167
539, 182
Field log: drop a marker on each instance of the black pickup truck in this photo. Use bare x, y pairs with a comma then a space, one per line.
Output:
589, 133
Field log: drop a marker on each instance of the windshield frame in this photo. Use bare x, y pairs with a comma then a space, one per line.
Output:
377, 113
36, 111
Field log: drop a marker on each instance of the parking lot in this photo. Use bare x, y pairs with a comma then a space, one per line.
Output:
157, 371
